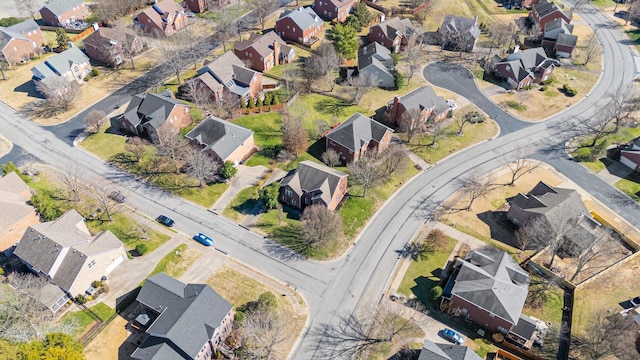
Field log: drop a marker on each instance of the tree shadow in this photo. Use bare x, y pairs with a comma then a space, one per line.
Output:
501, 229
248, 207
331, 106
28, 88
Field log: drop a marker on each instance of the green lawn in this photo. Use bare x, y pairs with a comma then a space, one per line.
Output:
551, 310
83, 320
422, 276
129, 232
177, 261
206, 196
244, 202
624, 135
630, 186
313, 107
104, 145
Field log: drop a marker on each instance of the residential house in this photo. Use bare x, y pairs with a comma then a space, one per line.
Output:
64, 12
113, 45
312, 183
489, 288
263, 52
223, 140
394, 34
164, 18
228, 73
16, 215
376, 65
554, 206
431, 106
301, 25
337, 10
433, 351
69, 65
357, 136
522, 68
20, 42
180, 321
65, 252
526, 4
459, 33
154, 115
544, 12
558, 36
630, 155
196, 6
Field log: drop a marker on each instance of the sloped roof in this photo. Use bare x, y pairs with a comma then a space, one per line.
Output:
188, 315
103, 36
492, 280
434, 351
24, 27
243, 75
155, 107
459, 24
166, 6
59, 7
357, 131
222, 137
567, 40
62, 62
222, 67
394, 26
530, 58
544, 198
210, 81
341, 3
13, 206
424, 98
556, 24
374, 50
544, 8
310, 176
525, 327
304, 17
263, 44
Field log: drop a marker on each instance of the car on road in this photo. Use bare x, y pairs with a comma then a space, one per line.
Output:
117, 196
452, 336
164, 220
203, 239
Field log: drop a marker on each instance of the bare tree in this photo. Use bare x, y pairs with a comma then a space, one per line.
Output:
519, 165
411, 123
603, 247
137, 147
319, 226
131, 45
329, 62
412, 60
597, 127
365, 172
606, 334
59, 94
95, 120
501, 34
4, 65
393, 159
461, 122
100, 190
539, 291
225, 27
359, 86
294, 135
172, 147
201, 166
72, 185
577, 6
632, 12
592, 50
621, 107
436, 132
192, 41
262, 9
554, 232
474, 186
28, 7
331, 158
264, 329
198, 93
228, 103
171, 50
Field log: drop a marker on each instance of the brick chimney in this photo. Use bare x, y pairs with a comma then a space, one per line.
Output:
276, 53
394, 110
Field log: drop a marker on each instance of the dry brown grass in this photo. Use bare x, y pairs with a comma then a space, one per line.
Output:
105, 346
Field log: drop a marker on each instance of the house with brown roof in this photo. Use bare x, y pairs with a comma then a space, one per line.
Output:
334, 9
223, 140
312, 183
522, 68
20, 42
197, 6
459, 33
153, 115
394, 34
301, 25
114, 45
228, 73
357, 136
164, 18
263, 52
16, 214
546, 11
431, 106
64, 12
67, 254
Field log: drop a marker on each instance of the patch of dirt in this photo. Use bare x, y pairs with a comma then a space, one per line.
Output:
107, 344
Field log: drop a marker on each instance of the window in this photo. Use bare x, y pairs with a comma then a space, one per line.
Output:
294, 30
288, 192
92, 264
293, 201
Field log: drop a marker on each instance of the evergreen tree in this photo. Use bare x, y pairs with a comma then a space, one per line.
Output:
344, 40
62, 38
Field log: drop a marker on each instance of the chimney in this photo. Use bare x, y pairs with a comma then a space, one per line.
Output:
276, 52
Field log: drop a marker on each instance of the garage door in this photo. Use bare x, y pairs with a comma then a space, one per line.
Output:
115, 263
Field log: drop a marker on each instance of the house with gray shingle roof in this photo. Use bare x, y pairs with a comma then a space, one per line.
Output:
64, 251
180, 321
459, 33
546, 11
69, 65
20, 42
64, 12
263, 52
431, 106
394, 34
16, 214
376, 65
301, 25
154, 115
522, 68
434, 351
312, 183
223, 140
558, 36
228, 73
357, 136
489, 288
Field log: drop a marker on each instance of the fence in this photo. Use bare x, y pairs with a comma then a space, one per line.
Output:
543, 271
624, 233
86, 32
380, 8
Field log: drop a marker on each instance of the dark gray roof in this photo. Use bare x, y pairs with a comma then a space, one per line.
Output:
222, 66
394, 26
243, 75
357, 131
153, 109
567, 40
424, 98
525, 327
304, 17
62, 62
59, 7
459, 24
544, 199
188, 315
558, 23
544, 8
103, 36
493, 281
433, 351
374, 50
310, 176
220, 136
530, 58
24, 27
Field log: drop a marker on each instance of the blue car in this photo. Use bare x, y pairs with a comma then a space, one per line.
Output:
203, 239
164, 220
452, 336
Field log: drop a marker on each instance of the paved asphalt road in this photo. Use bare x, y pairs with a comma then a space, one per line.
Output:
362, 274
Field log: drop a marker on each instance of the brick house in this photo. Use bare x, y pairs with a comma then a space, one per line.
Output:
196, 6
558, 36
263, 52
357, 136
228, 73
65, 252
180, 321
312, 183
164, 18
64, 12
334, 9
301, 25
112, 45
223, 140
16, 215
153, 115
522, 68
20, 42
394, 34
459, 33
431, 106
376, 65
69, 65
545, 12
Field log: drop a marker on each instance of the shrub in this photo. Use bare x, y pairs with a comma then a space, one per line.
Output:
80, 299
435, 293
106, 288
239, 318
94, 72
569, 91
86, 78
583, 154
96, 284
543, 88
399, 81
438, 238
1, 271
141, 249
243, 103
228, 170
547, 82
275, 101
268, 300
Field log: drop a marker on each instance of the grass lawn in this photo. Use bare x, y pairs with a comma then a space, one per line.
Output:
630, 186
267, 134
422, 276
83, 320
355, 212
551, 310
177, 261
104, 145
242, 204
129, 232
269, 221
206, 196
624, 135
314, 107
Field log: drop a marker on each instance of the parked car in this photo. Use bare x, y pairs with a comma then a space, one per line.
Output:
166, 221
189, 14
117, 196
452, 336
203, 239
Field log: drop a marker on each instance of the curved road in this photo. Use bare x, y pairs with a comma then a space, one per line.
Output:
362, 274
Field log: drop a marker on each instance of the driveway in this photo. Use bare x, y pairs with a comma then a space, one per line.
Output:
246, 176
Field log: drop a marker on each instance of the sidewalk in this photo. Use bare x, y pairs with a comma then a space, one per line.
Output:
246, 177
412, 156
